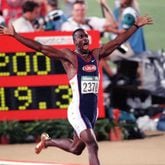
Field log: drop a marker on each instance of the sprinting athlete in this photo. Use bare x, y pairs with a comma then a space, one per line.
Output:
81, 66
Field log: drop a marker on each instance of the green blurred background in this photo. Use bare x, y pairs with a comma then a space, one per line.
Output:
154, 34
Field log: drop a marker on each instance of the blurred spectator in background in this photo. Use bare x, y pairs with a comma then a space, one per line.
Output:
11, 9
2, 20
126, 15
80, 20
31, 11
135, 4
55, 17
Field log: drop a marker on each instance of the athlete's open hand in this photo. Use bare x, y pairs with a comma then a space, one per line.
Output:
7, 30
144, 20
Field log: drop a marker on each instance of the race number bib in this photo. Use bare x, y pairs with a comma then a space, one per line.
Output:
89, 84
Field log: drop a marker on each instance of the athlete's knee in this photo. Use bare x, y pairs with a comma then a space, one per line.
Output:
93, 145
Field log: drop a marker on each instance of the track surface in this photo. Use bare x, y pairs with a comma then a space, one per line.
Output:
149, 151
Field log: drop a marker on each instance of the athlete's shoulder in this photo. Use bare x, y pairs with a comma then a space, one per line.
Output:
67, 50
69, 54
95, 52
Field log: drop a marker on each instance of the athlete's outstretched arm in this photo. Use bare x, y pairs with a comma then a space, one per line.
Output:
47, 50
109, 47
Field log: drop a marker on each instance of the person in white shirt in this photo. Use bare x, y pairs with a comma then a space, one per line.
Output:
31, 11
79, 20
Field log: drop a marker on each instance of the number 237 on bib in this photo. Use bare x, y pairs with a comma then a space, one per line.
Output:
89, 84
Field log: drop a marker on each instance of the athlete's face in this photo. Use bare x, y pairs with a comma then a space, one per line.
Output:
81, 41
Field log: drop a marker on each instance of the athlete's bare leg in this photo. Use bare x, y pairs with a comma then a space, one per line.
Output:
75, 145
88, 137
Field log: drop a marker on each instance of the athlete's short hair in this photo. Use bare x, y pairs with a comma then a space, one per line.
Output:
75, 31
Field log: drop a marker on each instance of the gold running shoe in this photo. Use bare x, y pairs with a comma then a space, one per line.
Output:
41, 144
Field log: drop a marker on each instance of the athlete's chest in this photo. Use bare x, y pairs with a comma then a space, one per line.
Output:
88, 76
87, 66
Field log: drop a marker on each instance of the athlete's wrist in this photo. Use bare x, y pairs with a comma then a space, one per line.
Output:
136, 25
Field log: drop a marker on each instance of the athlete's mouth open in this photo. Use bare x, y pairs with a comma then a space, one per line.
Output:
86, 45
